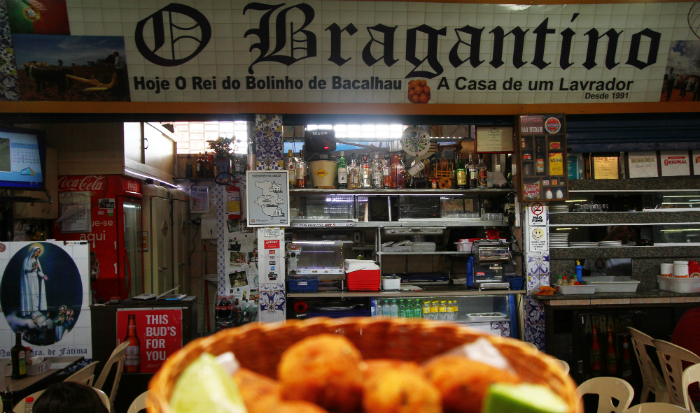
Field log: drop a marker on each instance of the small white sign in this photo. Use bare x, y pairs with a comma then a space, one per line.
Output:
538, 239
537, 214
643, 165
675, 163
267, 198
696, 163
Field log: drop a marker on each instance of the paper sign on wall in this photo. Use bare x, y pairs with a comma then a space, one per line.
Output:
643, 165
537, 214
271, 255
675, 163
696, 163
538, 240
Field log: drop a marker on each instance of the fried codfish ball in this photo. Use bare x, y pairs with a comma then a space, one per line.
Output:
324, 370
372, 367
463, 382
262, 394
399, 389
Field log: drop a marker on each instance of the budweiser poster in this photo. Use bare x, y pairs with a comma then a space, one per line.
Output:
153, 335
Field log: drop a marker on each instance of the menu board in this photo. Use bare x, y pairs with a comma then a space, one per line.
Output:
675, 163
494, 139
605, 167
543, 158
643, 165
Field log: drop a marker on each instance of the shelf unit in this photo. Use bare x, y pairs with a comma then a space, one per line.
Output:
390, 294
425, 253
589, 219
385, 224
407, 191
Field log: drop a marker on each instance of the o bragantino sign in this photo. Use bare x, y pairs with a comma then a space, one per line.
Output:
383, 52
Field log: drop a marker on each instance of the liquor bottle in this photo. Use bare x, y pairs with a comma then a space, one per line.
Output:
353, 173
419, 166
342, 171
400, 174
7, 401
595, 354
217, 312
18, 354
290, 167
251, 156
376, 171
132, 361
539, 158
365, 173
300, 171
626, 363
200, 164
612, 358
387, 182
483, 174
473, 174
188, 166
461, 173
229, 310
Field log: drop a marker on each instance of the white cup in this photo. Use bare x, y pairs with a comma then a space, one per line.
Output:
680, 270
666, 270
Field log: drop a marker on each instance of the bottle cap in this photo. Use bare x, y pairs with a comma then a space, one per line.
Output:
578, 262
29, 400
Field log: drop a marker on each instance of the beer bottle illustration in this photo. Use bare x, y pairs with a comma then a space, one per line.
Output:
132, 361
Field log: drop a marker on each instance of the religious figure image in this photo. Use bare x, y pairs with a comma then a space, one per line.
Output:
33, 286
41, 293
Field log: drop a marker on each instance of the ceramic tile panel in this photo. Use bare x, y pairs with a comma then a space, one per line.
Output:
273, 302
9, 86
269, 138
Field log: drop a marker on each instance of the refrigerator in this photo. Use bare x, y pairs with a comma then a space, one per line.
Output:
105, 211
166, 240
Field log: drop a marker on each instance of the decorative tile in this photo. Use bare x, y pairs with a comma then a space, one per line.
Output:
269, 142
273, 302
505, 328
534, 311
534, 333
219, 194
9, 85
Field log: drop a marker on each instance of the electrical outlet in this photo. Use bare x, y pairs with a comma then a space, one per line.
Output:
197, 221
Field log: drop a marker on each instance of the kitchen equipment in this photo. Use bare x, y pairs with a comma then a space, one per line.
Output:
302, 284
489, 251
318, 144
422, 247
490, 257
391, 283
684, 285
317, 257
664, 282
613, 284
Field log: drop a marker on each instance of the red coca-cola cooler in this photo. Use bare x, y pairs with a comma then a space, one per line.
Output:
105, 210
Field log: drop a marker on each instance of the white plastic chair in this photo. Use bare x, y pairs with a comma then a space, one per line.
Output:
690, 375
656, 408
86, 375
117, 357
139, 403
565, 366
671, 358
651, 377
608, 388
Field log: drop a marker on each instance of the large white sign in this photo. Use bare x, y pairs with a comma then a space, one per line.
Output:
373, 52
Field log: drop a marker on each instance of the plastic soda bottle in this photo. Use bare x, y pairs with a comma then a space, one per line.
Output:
434, 310
394, 309
386, 309
442, 310
377, 308
426, 310
402, 309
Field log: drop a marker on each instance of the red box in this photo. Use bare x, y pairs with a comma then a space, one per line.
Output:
364, 280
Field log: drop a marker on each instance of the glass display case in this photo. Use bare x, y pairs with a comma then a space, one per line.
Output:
326, 207
317, 257
438, 207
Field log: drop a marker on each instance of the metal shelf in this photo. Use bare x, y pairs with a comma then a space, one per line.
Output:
385, 224
390, 294
407, 191
425, 253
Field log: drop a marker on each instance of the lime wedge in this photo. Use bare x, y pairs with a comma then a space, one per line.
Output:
522, 398
204, 386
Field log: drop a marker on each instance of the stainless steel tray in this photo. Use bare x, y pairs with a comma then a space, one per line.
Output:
485, 317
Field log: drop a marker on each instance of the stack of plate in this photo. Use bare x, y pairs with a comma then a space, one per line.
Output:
557, 209
611, 244
559, 240
583, 244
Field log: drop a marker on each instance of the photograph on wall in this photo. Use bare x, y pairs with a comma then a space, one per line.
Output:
682, 78
237, 258
44, 297
38, 17
71, 68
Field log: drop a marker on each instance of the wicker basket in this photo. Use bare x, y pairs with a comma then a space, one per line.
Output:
259, 347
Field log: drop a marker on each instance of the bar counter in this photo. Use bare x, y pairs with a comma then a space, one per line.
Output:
636, 298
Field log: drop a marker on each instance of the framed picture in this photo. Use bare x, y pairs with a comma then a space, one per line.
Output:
494, 139
267, 198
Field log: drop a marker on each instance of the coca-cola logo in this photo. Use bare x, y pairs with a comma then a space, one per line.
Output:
81, 183
675, 160
132, 186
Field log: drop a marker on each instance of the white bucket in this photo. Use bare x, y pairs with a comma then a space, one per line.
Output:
323, 173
